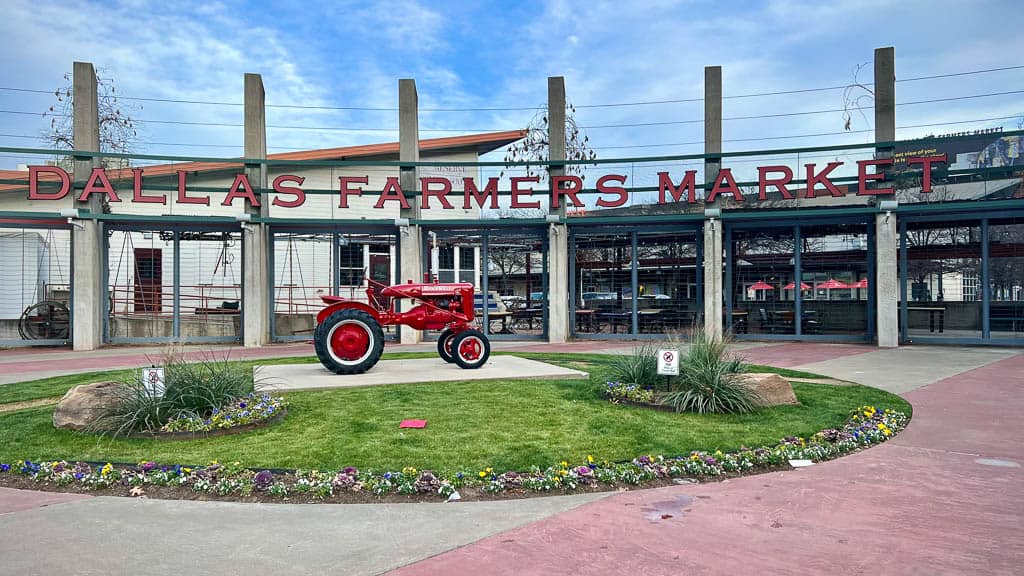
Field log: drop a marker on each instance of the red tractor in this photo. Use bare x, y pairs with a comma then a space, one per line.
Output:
349, 338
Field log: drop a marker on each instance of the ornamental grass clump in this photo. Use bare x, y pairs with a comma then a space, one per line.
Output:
191, 391
710, 379
640, 367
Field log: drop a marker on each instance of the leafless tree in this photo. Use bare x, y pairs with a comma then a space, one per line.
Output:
535, 147
855, 95
117, 123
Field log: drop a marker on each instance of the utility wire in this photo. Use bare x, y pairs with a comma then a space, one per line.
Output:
528, 108
591, 127
694, 143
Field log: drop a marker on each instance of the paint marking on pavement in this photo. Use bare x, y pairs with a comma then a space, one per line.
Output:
998, 462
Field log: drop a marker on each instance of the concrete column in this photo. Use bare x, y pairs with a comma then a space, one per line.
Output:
886, 280
87, 275
558, 234
713, 285
409, 236
256, 275
713, 289
885, 95
886, 236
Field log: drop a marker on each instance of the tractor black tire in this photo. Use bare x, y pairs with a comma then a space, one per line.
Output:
444, 345
471, 348
356, 350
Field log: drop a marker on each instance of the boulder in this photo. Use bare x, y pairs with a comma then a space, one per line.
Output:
771, 389
84, 403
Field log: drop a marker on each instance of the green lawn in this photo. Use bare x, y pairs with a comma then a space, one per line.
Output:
506, 424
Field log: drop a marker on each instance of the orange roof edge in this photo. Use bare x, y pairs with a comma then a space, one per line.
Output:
484, 143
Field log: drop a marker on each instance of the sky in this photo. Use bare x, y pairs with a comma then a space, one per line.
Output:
498, 55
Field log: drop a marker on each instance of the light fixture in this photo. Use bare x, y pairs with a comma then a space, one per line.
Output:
552, 218
71, 214
888, 206
401, 221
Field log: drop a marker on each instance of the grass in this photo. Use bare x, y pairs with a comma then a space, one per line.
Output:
508, 424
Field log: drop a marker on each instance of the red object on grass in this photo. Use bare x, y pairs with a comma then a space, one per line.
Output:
413, 424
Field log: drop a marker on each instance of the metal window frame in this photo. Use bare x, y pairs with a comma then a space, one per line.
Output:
579, 230
983, 219
335, 232
20, 343
176, 228
798, 225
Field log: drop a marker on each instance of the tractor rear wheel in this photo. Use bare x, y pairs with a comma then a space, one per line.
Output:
444, 345
471, 349
349, 341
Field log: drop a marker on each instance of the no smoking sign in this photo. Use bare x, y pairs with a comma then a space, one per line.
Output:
668, 362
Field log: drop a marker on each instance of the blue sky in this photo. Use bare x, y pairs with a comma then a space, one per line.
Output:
471, 55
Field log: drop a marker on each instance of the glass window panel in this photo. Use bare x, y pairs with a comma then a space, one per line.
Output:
762, 268
835, 283
943, 258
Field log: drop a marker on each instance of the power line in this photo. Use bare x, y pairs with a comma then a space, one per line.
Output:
618, 147
808, 135
592, 127
528, 108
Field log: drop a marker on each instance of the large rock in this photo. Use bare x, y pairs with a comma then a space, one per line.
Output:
84, 403
771, 389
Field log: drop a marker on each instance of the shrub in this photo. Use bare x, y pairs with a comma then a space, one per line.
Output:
191, 390
639, 367
710, 379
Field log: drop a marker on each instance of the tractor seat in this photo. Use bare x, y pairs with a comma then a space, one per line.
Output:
332, 299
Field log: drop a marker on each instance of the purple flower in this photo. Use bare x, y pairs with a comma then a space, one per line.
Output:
78, 475
262, 480
241, 404
710, 461
351, 471
5, 467
147, 466
387, 475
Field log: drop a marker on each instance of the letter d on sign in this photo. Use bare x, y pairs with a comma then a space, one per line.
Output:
33, 183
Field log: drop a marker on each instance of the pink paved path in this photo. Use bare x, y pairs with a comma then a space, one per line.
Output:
920, 504
12, 500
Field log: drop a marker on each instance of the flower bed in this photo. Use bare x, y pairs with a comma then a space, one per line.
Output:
247, 412
629, 393
866, 426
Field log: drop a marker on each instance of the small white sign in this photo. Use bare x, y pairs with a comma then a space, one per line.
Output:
153, 381
668, 363
801, 463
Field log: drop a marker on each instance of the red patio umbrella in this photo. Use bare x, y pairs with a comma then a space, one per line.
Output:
862, 283
832, 284
791, 285
761, 285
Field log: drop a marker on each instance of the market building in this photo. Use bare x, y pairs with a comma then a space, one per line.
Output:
889, 242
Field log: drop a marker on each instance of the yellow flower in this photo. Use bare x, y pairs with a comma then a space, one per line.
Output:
590, 459
186, 470
564, 464
483, 474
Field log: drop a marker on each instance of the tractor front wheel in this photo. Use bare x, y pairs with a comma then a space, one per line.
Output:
349, 341
471, 348
444, 345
